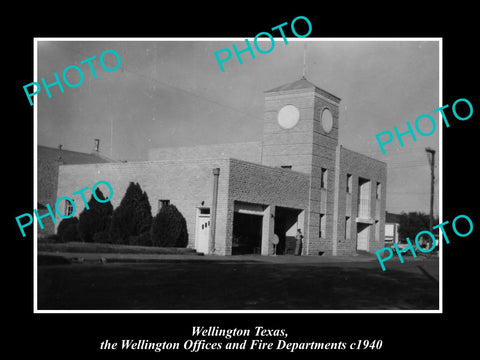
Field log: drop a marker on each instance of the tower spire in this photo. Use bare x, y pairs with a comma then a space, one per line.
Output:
304, 59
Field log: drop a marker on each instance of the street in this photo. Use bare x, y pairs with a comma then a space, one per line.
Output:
240, 283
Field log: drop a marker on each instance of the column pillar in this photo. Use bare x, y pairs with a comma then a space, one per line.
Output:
268, 228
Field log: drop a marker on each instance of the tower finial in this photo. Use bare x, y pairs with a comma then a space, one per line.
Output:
304, 59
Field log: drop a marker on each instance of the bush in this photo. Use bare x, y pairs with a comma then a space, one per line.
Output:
102, 237
96, 218
67, 230
50, 238
140, 240
143, 214
120, 225
71, 234
132, 217
169, 228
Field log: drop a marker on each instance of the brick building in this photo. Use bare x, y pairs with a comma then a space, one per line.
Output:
392, 223
236, 197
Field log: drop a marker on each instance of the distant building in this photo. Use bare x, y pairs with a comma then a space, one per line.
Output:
48, 161
236, 197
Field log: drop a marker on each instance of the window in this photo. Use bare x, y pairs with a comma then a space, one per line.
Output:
289, 167
349, 183
379, 190
68, 208
323, 223
162, 203
204, 211
347, 228
323, 179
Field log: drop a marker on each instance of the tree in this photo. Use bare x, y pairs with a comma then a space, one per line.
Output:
143, 214
169, 228
410, 224
96, 218
132, 218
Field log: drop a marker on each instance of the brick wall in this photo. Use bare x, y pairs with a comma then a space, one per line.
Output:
269, 186
47, 177
323, 157
248, 151
48, 161
288, 146
187, 183
358, 165
262, 184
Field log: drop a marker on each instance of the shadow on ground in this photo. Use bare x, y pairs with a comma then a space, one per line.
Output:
217, 285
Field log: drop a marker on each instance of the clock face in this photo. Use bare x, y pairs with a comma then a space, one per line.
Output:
288, 116
327, 120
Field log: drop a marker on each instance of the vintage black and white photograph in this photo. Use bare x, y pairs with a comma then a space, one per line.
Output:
259, 175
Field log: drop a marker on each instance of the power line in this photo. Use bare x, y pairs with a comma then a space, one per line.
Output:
189, 92
408, 192
144, 77
401, 151
405, 167
404, 163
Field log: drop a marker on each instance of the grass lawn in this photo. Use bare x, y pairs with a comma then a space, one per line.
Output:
81, 247
229, 285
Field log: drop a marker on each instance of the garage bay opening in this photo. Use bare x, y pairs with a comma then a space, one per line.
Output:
247, 234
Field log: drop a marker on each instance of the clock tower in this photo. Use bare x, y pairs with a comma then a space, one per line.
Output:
301, 133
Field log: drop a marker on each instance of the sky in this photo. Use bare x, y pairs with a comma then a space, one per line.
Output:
171, 92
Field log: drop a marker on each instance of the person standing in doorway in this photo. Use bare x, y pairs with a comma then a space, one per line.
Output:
299, 242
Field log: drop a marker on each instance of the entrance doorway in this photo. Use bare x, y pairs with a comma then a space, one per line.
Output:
202, 230
363, 235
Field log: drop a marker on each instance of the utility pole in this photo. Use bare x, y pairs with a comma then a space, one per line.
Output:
431, 160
